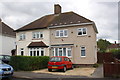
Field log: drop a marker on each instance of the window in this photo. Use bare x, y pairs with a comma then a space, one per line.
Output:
42, 52
61, 33
62, 52
65, 33
57, 34
83, 52
37, 35
22, 36
65, 59
69, 51
56, 59
22, 51
82, 31
36, 51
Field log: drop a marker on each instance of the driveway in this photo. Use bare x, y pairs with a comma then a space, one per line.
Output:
82, 71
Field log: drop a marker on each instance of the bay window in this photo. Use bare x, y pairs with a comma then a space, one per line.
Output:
62, 52
36, 52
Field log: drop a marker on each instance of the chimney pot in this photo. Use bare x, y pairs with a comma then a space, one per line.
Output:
57, 9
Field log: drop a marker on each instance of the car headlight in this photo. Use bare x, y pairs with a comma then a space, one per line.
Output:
11, 68
1, 70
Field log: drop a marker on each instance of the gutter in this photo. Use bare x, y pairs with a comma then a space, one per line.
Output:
70, 25
90, 23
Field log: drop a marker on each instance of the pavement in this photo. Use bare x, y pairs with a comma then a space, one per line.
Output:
98, 73
93, 73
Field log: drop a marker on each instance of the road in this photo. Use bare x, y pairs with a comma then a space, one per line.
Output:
66, 79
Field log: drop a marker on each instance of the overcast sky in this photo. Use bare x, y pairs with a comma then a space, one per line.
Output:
103, 12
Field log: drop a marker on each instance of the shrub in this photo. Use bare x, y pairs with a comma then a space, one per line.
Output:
96, 65
116, 53
29, 63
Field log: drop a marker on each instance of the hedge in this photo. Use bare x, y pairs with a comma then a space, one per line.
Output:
29, 63
116, 53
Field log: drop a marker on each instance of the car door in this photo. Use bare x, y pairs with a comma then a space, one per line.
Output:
69, 63
66, 62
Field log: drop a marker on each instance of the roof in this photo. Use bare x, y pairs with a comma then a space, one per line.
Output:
37, 44
66, 18
114, 46
6, 30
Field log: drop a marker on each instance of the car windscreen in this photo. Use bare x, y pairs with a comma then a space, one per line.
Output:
1, 62
56, 59
1, 57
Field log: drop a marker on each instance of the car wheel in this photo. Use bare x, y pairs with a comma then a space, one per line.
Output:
50, 70
64, 69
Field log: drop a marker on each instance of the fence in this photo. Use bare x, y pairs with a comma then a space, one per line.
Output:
111, 69
111, 66
104, 57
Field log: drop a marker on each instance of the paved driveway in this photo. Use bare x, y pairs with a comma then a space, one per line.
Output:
83, 71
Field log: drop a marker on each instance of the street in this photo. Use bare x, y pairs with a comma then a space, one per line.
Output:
64, 79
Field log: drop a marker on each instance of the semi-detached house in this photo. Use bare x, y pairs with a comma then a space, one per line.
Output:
59, 34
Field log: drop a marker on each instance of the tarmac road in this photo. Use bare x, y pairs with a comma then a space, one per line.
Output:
64, 79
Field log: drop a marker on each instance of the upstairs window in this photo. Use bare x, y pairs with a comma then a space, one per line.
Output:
82, 31
61, 33
37, 35
22, 36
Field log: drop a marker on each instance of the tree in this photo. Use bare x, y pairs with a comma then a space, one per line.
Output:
103, 44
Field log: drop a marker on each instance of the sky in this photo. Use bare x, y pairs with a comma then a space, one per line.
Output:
17, 13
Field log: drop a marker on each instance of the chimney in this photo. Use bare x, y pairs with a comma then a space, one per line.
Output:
57, 9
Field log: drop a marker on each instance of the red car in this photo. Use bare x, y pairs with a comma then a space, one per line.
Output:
60, 62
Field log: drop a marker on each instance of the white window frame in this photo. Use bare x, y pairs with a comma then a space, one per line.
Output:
22, 50
81, 31
54, 54
22, 36
37, 35
81, 51
69, 49
36, 49
57, 35
59, 32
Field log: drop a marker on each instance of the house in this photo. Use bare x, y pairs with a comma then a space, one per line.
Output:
114, 46
7, 39
59, 34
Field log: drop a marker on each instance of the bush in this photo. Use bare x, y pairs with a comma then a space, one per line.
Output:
116, 53
29, 63
96, 65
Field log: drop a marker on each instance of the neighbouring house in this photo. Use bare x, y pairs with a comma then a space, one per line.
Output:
59, 34
7, 39
114, 46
